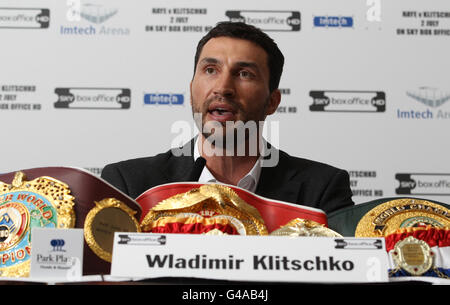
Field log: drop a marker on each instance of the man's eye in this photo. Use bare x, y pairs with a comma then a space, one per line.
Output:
245, 74
210, 70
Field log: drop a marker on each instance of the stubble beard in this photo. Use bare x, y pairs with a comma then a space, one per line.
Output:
231, 137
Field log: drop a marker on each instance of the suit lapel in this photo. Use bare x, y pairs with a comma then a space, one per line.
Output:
181, 163
278, 182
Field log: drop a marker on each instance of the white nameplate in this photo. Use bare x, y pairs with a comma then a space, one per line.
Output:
57, 254
250, 258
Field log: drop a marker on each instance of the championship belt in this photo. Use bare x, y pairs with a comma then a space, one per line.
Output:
61, 197
43, 202
198, 208
209, 209
416, 233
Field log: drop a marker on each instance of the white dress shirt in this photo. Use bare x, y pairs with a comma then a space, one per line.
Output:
248, 182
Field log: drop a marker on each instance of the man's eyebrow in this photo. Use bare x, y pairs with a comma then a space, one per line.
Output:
247, 64
209, 60
242, 64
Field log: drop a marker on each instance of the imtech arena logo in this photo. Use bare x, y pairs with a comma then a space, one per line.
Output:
333, 22
277, 21
432, 98
348, 101
93, 98
24, 18
423, 184
95, 14
163, 99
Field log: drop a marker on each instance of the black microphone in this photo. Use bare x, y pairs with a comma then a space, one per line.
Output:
199, 164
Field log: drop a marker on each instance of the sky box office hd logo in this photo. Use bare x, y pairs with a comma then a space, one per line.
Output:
348, 101
24, 18
423, 184
276, 21
93, 98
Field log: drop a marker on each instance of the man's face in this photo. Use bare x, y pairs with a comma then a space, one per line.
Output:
231, 82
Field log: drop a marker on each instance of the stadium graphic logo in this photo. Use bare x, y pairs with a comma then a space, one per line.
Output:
278, 21
333, 22
163, 99
348, 101
24, 18
97, 13
432, 98
423, 184
94, 14
93, 98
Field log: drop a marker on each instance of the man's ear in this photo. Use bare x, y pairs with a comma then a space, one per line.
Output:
274, 101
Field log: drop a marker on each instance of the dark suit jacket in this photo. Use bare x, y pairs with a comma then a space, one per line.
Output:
293, 180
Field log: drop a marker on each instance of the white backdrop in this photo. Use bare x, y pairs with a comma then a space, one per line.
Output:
86, 83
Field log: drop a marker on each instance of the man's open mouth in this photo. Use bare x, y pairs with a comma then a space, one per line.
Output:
221, 110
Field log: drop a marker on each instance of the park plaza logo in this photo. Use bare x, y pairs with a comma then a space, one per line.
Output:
276, 21
58, 245
55, 257
24, 18
90, 19
435, 100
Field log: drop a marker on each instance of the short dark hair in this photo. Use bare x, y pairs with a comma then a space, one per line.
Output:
248, 32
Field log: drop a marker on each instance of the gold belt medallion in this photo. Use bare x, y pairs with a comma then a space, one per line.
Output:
107, 217
413, 255
304, 227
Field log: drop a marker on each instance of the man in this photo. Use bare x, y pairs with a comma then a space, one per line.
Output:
236, 75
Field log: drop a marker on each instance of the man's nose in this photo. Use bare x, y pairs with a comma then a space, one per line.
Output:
224, 85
